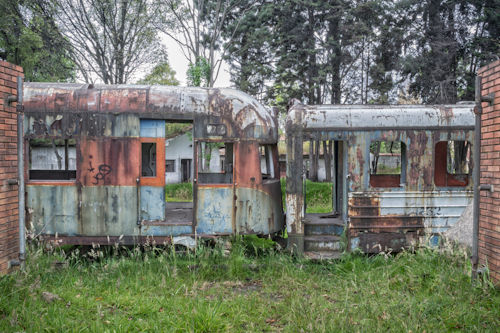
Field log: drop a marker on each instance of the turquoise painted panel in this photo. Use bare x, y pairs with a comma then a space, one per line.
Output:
162, 230
214, 210
52, 209
152, 128
109, 211
152, 203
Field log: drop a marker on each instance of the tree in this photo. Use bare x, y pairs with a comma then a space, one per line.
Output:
197, 26
30, 38
111, 39
161, 74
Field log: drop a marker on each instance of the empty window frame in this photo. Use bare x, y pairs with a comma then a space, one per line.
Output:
52, 159
215, 162
169, 165
387, 163
452, 163
148, 165
267, 166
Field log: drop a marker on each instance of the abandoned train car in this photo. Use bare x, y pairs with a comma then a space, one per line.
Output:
381, 207
113, 190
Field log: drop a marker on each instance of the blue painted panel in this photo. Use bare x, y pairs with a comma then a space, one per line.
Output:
214, 210
152, 128
109, 211
152, 203
54, 209
163, 230
257, 212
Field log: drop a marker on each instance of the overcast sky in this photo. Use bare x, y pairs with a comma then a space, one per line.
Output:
179, 64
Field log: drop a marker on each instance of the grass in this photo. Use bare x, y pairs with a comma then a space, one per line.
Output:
242, 290
181, 192
318, 196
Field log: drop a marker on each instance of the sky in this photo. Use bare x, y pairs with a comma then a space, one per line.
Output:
180, 64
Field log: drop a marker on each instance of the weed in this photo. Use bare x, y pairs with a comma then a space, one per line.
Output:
247, 286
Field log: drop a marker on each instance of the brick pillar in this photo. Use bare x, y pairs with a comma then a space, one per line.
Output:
9, 228
489, 208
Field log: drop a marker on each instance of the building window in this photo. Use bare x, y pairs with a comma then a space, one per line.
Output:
52, 159
170, 166
387, 163
452, 163
215, 162
148, 152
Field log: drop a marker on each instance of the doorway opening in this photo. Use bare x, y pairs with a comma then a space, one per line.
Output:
178, 172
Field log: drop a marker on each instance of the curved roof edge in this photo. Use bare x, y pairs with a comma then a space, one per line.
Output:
244, 111
370, 117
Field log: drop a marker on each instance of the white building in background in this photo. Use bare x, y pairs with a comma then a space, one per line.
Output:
179, 159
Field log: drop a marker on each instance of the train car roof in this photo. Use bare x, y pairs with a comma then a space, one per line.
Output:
168, 102
373, 117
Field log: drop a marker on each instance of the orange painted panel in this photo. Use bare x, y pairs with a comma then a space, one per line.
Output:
106, 161
159, 180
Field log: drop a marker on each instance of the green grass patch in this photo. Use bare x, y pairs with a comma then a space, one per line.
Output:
182, 192
220, 290
318, 196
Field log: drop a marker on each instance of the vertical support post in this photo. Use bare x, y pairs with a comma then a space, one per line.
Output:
294, 172
476, 178
20, 171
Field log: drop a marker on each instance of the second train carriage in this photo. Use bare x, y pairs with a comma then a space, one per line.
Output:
108, 144
422, 194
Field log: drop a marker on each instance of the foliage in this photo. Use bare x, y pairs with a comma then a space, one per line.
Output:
111, 40
30, 38
161, 74
198, 73
215, 289
181, 192
318, 196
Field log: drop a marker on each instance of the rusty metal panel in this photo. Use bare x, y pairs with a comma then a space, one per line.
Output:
379, 220
257, 212
38, 124
109, 211
52, 209
370, 117
152, 203
105, 161
214, 210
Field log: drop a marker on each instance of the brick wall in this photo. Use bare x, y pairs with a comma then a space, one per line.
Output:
9, 231
489, 210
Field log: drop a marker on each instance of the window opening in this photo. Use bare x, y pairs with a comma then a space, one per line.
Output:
267, 162
215, 162
318, 184
148, 159
169, 165
52, 159
387, 163
452, 163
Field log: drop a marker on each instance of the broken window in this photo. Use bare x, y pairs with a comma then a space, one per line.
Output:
452, 163
148, 151
267, 162
387, 163
215, 162
169, 165
52, 159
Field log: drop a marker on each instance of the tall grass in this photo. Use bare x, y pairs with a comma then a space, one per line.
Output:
318, 196
230, 287
179, 192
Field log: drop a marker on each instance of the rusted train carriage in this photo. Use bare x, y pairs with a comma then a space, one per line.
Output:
423, 193
106, 182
